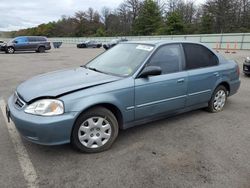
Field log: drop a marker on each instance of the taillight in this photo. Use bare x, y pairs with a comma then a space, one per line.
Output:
238, 70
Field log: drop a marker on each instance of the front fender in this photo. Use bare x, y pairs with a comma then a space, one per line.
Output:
121, 99
87, 102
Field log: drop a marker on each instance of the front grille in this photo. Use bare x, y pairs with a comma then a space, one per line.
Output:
18, 102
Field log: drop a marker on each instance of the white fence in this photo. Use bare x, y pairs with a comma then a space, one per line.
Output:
240, 41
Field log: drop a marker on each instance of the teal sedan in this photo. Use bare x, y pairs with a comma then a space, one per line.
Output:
130, 84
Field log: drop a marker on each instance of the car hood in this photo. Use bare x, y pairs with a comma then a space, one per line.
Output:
61, 82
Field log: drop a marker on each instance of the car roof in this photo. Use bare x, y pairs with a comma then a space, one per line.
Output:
30, 36
161, 42
158, 43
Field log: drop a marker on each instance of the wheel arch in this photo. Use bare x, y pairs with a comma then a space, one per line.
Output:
226, 85
41, 46
12, 46
8, 47
113, 108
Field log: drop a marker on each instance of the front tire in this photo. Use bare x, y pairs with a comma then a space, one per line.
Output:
10, 50
218, 100
95, 130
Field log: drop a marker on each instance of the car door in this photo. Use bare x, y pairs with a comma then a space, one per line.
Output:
20, 43
166, 92
202, 75
33, 43
91, 44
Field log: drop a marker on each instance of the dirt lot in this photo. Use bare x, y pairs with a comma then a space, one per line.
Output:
196, 149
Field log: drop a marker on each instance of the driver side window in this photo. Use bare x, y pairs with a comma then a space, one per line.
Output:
21, 40
168, 57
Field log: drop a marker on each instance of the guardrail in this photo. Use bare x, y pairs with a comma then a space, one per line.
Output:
234, 41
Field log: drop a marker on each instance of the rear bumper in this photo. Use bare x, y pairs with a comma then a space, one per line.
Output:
234, 87
54, 130
47, 47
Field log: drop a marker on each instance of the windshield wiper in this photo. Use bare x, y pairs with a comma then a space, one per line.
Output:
94, 69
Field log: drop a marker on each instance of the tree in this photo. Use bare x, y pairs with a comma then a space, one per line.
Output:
149, 19
100, 32
174, 24
224, 14
206, 24
134, 7
80, 20
125, 17
113, 25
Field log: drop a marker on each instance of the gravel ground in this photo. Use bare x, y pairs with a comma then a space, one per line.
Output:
195, 149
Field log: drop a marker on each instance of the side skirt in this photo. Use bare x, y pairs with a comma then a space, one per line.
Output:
163, 116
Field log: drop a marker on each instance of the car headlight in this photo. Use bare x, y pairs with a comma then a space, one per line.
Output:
46, 107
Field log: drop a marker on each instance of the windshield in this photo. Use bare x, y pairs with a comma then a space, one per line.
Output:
122, 60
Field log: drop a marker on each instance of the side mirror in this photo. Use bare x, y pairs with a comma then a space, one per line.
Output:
15, 41
150, 71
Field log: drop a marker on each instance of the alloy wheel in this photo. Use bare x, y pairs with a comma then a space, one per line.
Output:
219, 100
10, 50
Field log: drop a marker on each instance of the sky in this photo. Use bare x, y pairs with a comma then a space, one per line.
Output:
19, 14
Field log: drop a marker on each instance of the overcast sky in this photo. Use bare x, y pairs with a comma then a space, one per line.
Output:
18, 14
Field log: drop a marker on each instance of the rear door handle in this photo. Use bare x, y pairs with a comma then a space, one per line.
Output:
180, 81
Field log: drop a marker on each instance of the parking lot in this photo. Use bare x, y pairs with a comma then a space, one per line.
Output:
195, 149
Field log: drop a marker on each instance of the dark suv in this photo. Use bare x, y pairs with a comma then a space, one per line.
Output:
29, 43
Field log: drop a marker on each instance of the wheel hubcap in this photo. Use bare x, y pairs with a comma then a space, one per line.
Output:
219, 100
94, 132
10, 50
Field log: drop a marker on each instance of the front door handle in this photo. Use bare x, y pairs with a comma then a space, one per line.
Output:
180, 81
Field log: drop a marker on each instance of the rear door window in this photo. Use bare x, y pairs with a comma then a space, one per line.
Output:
37, 39
32, 39
40, 39
198, 56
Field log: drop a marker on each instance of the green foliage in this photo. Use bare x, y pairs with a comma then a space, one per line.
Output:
175, 24
100, 32
206, 24
149, 20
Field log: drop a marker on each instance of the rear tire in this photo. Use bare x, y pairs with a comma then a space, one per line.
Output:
95, 130
41, 49
218, 99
